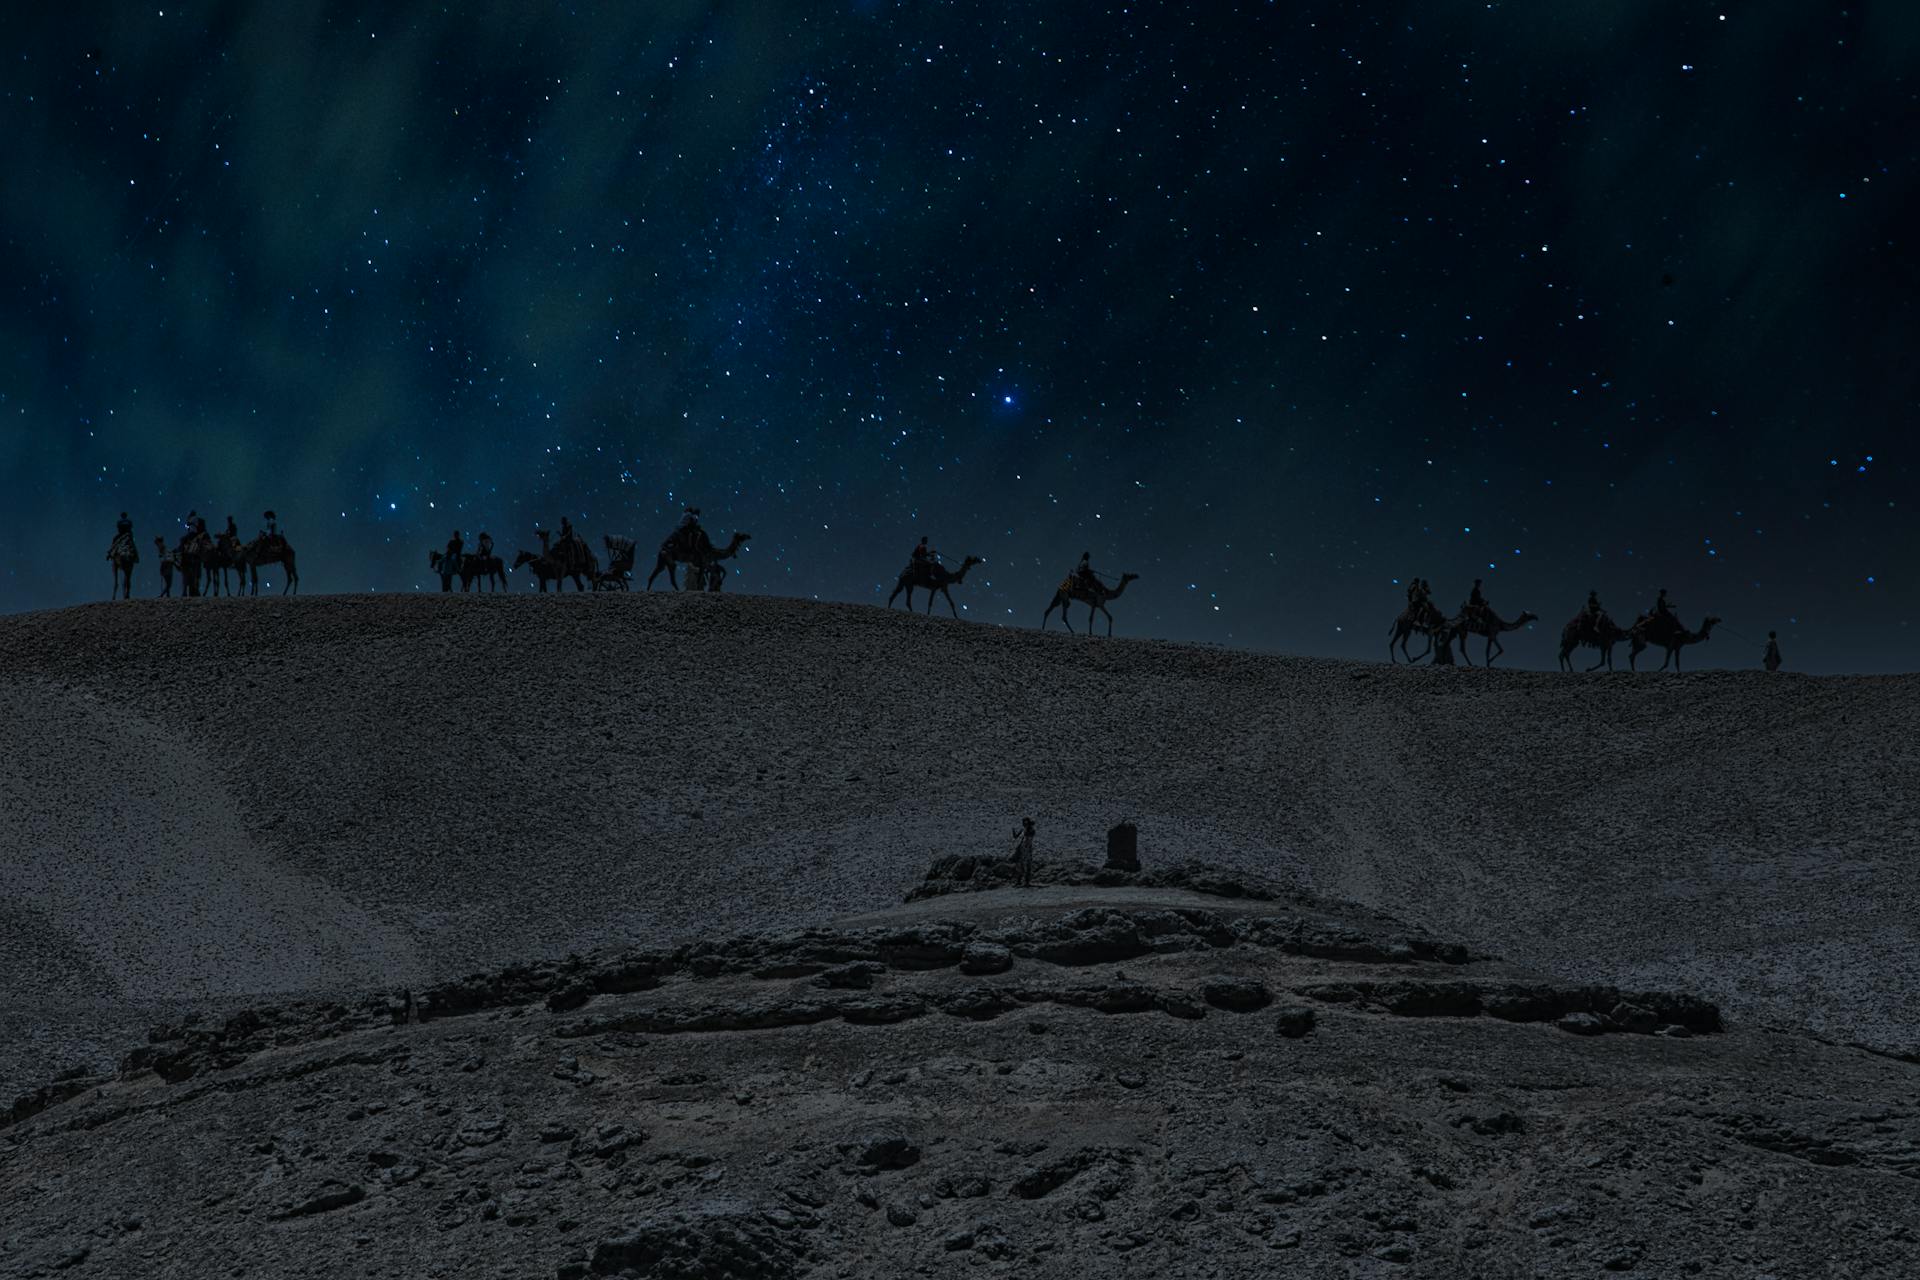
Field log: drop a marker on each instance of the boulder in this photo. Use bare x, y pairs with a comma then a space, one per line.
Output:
1295, 1021
1240, 995
1123, 847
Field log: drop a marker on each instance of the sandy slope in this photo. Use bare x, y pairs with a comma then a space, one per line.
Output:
248, 797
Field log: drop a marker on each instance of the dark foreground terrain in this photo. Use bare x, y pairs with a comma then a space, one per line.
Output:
256, 853
1066, 1081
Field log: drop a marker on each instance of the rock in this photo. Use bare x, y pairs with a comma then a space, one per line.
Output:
729, 1244
1633, 1018
1123, 847
325, 1198
1241, 995
985, 957
570, 997
1295, 1021
1581, 1024
959, 1242
1129, 1079
887, 1151
857, 976
1042, 1180
901, 1215
1673, 1031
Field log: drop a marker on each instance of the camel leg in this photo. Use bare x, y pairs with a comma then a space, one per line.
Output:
949, 595
1603, 659
896, 596
1049, 613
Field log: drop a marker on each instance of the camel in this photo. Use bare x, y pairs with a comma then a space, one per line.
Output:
1485, 623
264, 550
1424, 618
1666, 632
489, 569
1094, 595
1602, 634
935, 578
224, 553
547, 567
123, 555
191, 555
698, 552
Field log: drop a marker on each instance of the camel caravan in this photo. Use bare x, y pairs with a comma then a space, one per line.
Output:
1592, 628
201, 560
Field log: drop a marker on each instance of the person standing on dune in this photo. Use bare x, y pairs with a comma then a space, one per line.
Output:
1771, 659
1023, 854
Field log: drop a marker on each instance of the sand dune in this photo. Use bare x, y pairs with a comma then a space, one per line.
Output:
219, 800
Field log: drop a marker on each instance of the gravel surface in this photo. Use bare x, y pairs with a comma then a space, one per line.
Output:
215, 801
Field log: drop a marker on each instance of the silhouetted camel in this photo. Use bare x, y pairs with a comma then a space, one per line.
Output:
488, 569
697, 551
1094, 596
1486, 623
1602, 635
123, 555
264, 550
547, 568
934, 578
1664, 632
1423, 619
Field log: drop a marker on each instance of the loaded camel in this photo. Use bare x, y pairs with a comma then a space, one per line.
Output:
934, 578
1424, 618
548, 567
1664, 631
269, 549
1094, 594
693, 548
491, 570
1600, 633
123, 555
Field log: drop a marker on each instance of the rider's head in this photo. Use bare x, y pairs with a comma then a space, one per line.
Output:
1027, 823
1771, 635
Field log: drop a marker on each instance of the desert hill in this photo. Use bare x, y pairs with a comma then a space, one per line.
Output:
246, 797
218, 801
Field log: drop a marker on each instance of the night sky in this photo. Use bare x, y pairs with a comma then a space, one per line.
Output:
1275, 305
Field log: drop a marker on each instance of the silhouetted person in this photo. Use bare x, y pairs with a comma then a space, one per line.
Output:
123, 528
566, 531
1023, 853
451, 564
1662, 605
1083, 572
485, 545
273, 526
924, 556
166, 566
233, 530
1771, 660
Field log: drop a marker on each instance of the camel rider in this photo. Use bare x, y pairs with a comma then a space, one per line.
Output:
455, 545
1083, 574
232, 534
485, 545
273, 526
1593, 606
193, 518
1662, 606
1476, 601
924, 557
566, 531
687, 533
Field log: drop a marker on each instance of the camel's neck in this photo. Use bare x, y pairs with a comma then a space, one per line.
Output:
1113, 592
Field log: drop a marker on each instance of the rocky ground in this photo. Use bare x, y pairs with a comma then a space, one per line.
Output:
1117, 1078
566, 936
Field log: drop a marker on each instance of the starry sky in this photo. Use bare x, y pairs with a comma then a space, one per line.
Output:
1273, 304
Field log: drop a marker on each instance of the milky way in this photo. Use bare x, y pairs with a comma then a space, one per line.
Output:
1274, 305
